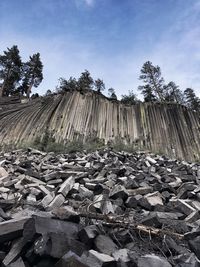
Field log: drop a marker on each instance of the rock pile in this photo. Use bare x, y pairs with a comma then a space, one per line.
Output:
98, 209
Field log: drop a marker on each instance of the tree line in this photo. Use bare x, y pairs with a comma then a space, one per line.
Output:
153, 88
83, 83
17, 77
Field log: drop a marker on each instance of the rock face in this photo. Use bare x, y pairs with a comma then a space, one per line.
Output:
132, 210
167, 128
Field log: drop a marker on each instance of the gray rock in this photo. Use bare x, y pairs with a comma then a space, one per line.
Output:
88, 234
66, 213
56, 202
47, 200
72, 260
18, 263
104, 244
3, 174
122, 255
131, 202
153, 261
67, 186
100, 260
140, 191
195, 246
119, 191
193, 216
184, 207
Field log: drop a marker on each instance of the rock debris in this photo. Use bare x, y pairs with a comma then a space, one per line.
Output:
97, 209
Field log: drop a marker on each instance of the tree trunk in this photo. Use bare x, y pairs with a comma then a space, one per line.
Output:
29, 89
2, 88
156, 88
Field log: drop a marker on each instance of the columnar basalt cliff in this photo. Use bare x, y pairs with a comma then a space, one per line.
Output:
167, 128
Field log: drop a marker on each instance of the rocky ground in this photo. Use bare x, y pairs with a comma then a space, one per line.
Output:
98, 209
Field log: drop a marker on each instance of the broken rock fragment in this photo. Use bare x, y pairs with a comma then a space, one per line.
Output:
67, 186
153, 261
104, 244
102, 208
97, 259
72, 260
119, 191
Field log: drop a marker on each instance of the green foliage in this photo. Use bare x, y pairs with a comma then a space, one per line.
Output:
48, 143
154, 88
119, 145
48, 92
18, 77
151, 76
173, 93
85, 82
73, 146
130, 99
32, 73
10, 70
34, 96
191, 100
93, 144
112, 94
99, 85
67, 85
147, 92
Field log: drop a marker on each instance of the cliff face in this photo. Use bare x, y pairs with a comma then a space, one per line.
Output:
166, 128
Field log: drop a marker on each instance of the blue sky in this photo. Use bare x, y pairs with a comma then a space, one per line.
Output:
110, 38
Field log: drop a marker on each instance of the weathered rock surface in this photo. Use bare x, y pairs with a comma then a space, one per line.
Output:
106, 208
169, 128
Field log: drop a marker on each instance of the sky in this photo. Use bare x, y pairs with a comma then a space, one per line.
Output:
110, 38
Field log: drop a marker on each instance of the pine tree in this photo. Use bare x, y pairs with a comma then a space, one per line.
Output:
10, 70
130, 99
33, 75
192, 101
48, 92
147, 92
67, 85
112, 94
99, 85
151, 76
85, 82
173, 93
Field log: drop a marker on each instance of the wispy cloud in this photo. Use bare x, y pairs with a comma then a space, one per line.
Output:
89, 2
178, 50
86, 41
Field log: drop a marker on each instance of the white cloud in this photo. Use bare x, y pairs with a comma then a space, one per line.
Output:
177, 52
89, 2
80, 3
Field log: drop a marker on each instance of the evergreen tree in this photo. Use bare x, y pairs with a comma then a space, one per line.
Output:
23, 87
85, 82
10, 70
151, 76
147, 92
67, 85
130, 99
173, 93
34, 96
192, 101
33, 75
111, 93
99, 85
48, 92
